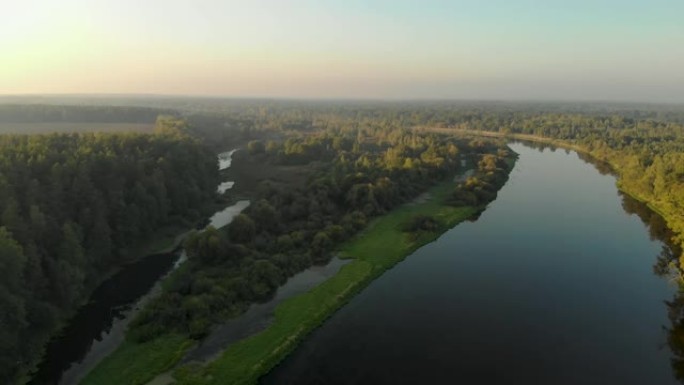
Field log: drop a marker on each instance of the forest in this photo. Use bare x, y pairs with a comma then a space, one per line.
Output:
37, 113
73, 207
643, 143
290, 227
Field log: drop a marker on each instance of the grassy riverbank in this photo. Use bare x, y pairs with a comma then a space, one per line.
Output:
378, 248
134, 363
384, 242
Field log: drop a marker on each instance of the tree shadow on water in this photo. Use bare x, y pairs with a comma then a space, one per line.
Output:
666, 266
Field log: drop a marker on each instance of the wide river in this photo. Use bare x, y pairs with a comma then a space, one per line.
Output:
553, 284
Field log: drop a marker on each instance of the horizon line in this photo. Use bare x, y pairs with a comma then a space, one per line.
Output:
340, 99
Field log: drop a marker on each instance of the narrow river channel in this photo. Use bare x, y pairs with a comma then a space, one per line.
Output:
99, 327
553, 284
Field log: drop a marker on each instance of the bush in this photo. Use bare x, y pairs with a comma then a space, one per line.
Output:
420, 222
256, 147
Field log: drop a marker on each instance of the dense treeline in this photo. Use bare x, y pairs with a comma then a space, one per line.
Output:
221, 131
288, 228
37, 113
72, 208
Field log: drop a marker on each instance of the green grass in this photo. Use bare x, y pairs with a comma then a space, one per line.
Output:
383, 242
245, 361
138, 363
375, 250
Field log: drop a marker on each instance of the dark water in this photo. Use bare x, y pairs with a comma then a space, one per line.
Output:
553, 284
99, 327
91, 332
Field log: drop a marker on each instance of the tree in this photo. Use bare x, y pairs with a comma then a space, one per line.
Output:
12, 261
255, 147
242, 229
264, 214
321, 242
209, 245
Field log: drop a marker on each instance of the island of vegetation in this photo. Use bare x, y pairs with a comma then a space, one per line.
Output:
373, 196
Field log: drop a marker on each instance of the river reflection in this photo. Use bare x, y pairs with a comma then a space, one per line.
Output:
553, 284
666, 263
666, 267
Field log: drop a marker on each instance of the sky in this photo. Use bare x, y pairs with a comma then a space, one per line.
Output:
622, 50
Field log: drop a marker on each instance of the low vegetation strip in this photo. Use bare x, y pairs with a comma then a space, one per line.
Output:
139, 363
377, 249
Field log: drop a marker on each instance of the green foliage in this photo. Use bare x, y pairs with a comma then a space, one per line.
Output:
256, 147
379, 248
290, 226
418, 223
72, 208
138, 363
45, 113
242, 229
170, 125
491, 174
208, 245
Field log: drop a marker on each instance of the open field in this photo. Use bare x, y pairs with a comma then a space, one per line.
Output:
250, 172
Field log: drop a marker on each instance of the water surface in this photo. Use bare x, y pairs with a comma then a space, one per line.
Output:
553, 284
225, 159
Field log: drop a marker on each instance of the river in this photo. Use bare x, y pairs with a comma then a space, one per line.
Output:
99, 326
553, 284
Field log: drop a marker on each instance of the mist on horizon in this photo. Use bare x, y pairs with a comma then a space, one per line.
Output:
517, 50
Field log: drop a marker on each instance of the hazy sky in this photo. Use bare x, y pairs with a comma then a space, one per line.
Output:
472, 49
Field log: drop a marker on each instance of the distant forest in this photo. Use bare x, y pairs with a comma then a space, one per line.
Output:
45, 113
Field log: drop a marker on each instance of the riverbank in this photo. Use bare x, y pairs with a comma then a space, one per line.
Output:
138, 363
555, 255
161, 244
378, 248
658, 207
